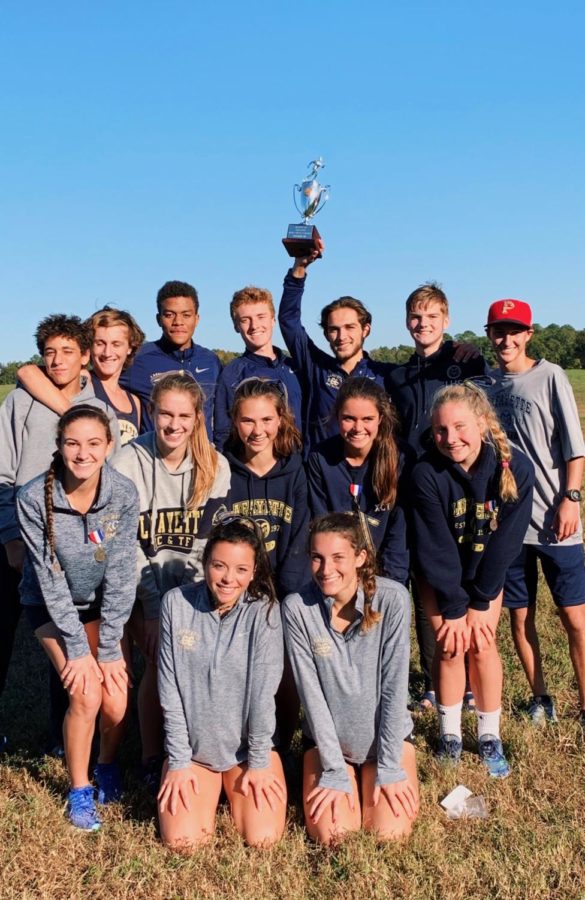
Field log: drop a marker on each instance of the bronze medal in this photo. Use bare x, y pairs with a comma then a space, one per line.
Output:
100, 554
493, 524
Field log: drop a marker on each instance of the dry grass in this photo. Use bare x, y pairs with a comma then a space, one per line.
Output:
532, 844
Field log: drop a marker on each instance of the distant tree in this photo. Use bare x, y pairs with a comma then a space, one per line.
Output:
8, 370
400, 354
226, 356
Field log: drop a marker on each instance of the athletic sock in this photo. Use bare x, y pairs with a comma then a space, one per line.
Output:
488, 723
450, 719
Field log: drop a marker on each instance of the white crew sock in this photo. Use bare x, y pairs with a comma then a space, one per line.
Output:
450, 719
488, 723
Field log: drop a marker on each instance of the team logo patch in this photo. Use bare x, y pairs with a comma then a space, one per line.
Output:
334, 380
110, 525
454, 372
321, 647
187, 639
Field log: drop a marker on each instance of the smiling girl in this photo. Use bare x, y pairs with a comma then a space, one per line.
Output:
183, 484
220, 662
115, 340
78, 522
472, 503
347, 635
359, 469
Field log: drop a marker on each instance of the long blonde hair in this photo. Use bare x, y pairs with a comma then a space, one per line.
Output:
476, 399
203, 453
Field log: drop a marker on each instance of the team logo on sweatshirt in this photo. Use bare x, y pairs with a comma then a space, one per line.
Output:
187, 639
110, 524
334, 380
321, 647
454, 373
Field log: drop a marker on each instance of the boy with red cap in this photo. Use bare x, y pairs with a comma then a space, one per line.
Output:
537, 409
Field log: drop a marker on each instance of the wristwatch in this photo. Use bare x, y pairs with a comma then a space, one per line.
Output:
573, 495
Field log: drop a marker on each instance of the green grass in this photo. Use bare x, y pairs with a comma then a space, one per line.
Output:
531, 846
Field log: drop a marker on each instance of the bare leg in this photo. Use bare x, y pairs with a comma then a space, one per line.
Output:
113, 714
523, 627
326, 831
79, 722
380, 819
258, 827
485, 668
189, 828
573, 618
448, 672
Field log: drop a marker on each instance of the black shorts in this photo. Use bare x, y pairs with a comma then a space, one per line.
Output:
39, 615
308, 743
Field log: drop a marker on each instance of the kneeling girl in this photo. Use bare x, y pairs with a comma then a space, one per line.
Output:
347, 635
220, 663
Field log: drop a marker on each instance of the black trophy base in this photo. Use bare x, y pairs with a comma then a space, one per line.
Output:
301, 240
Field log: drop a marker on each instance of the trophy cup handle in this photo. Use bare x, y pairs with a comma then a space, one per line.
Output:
296, 188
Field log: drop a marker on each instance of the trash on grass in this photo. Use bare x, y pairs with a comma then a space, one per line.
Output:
461, 804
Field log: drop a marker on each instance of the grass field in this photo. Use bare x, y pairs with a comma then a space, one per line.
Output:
531, 845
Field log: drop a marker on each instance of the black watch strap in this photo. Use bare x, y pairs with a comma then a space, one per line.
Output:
573, 494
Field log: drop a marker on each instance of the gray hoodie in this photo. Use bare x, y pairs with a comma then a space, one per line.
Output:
217, 677
27, 442
353, 686
85, 574
171, 538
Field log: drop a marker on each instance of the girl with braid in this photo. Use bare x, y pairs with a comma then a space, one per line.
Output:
472, 498
359, 469
78, 522
347, 636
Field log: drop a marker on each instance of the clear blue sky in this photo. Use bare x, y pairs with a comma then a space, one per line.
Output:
142, 142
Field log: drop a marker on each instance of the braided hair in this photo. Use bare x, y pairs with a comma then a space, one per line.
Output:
55, 470
476, 399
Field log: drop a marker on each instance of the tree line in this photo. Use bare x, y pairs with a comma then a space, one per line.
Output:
560, 344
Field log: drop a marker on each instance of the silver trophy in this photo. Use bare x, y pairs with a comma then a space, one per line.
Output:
302, 239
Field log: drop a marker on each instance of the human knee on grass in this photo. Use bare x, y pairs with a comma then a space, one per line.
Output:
220, 664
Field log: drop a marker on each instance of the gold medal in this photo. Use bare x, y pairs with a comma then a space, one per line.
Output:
100, 554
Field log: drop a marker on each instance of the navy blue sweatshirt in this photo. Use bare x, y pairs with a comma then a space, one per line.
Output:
278, 502
456, 550
330, 475
319, 373
413, 385
157, 357
252, 365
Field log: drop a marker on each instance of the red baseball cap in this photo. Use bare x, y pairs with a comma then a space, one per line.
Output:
517, 312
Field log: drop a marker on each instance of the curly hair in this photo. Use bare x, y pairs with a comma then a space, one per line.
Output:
349, 526
288, 439
60, 325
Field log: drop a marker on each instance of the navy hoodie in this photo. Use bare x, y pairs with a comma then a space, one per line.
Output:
278, 502
253, 365
157, 357
319, 373
456, 550
330, 476
413, 386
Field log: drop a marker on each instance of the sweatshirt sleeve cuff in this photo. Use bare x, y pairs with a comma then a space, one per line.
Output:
337, 781
180, 762
76, 646
258, 759
479, 604
386, 775
109, 653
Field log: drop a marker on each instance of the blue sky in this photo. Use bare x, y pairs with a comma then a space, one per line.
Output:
142, 142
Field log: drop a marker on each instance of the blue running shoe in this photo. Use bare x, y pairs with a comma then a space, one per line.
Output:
109, 781
542, 710
491, 753
449, 749
81, 809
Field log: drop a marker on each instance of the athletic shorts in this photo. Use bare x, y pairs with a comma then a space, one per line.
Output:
563, 569
308, 743
39, 615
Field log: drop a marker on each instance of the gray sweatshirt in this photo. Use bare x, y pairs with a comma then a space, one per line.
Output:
171, 538
79, 579
217, 678
27, 442
353, 686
